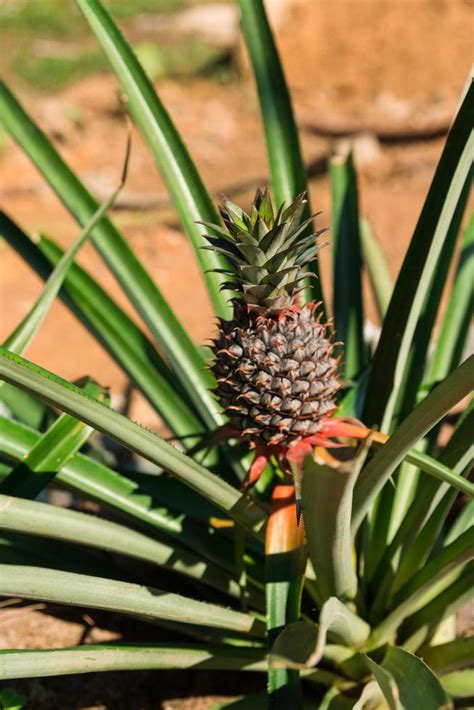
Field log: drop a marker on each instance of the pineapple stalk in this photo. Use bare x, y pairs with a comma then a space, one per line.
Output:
285, 556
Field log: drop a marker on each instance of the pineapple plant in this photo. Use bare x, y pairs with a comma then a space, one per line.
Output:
355, 608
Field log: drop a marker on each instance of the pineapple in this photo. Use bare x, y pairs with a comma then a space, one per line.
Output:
273, 362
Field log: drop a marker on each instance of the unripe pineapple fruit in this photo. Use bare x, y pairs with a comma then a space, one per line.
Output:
275, 371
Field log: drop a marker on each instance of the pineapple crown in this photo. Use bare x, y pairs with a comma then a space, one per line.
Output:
265, 251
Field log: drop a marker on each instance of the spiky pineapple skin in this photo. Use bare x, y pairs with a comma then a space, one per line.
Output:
276, 374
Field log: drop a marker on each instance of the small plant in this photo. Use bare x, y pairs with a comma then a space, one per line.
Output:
349, 607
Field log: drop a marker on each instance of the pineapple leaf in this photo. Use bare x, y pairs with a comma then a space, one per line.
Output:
412, 286
347, 266
70, 399
407, 683
287, 168
426, 415
185, 358
190, 197
115, 330
127, 657
113, 595
57, 445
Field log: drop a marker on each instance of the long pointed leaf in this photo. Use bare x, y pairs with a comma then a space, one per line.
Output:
127, 344
23, 334
379, 275
185, 186
415, 276
407, 683
418, 532
40, 519
122, 657
98, 593
455, 325
183, 356
150, 505
347, 264
327, 505
450, 556
393, 504
303, 644
62, 394
374, 476
418, 629
412, 596
53, 449
415, 363
288, 173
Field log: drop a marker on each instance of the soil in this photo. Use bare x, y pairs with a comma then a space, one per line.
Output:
389, 72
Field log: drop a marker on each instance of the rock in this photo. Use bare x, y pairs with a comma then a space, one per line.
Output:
365, 148
217, 23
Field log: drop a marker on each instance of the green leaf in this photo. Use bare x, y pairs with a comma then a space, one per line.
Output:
150, 504
377, 472
451, 656
460, 550
47, 521
413, 283
116, 331
24, 407
111, 595
459, 684
407, 683
190, 198
417, 630
124, 657
70, 399
413, 594
186, 360
302, 645
395, 507
52, 450
418, 532
379, 275
287, 169
436, 469
415, 363
284, 153
393, 504
347, 265
418, 550
23, 334
327, 505
462, 522
455, 325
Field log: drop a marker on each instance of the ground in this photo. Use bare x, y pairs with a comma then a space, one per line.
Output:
389, 74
